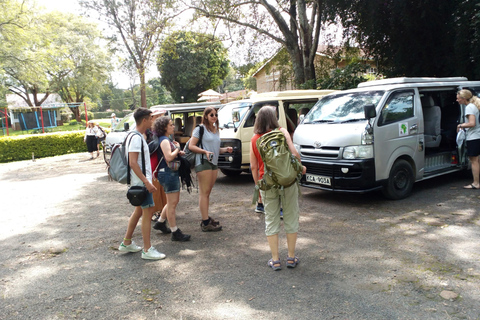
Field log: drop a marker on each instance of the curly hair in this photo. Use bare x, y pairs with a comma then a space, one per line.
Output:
160, 125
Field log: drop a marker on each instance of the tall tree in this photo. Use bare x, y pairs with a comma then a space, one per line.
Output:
139, 24
55, 52
190, 63
417, 38
295, 24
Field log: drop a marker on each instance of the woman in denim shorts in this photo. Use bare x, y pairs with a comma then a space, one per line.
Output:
168, 177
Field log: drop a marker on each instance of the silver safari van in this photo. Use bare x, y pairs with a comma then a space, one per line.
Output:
385, 134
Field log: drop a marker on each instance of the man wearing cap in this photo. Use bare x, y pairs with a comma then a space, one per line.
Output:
113, 121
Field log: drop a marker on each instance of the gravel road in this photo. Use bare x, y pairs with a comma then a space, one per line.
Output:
362, 257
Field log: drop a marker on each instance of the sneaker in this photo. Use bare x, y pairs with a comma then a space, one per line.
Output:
260, 208
152, 254
132, 247
210, 226
162, 226
180, 236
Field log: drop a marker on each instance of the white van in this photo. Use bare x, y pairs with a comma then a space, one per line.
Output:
386, 134
184, 115
237, 118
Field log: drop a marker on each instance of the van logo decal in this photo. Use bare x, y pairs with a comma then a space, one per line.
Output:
317, 144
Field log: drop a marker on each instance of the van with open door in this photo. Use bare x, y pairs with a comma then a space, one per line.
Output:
185, 117
237, 119
385, 134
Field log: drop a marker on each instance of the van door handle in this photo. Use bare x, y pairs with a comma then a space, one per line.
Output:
413, 128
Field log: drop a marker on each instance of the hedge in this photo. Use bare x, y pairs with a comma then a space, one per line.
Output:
44, 145
105, 115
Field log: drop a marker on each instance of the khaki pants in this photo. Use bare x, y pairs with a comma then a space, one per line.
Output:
287, 199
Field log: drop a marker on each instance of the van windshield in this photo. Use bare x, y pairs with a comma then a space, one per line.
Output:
225, 114
344, 107
127, 119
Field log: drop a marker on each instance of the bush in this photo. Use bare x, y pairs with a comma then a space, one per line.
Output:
105, 114
45, 145
89, 114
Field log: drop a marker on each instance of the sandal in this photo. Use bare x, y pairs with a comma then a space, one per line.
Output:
292, 262
275, 265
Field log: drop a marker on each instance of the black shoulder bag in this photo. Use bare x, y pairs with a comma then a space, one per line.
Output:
136, 194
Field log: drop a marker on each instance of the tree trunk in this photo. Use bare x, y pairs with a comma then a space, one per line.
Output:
143, 93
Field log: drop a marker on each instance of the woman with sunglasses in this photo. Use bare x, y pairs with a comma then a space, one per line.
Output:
206, 163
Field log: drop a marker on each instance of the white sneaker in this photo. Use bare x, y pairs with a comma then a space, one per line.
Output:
152, 254
132, 247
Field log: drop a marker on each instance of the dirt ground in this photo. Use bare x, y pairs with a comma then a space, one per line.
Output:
362, 257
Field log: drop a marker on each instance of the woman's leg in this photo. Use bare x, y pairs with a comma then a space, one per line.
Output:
273, 243
206, 181
475, 170
172, 201
291, 243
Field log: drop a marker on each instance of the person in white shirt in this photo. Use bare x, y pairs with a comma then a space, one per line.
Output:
90, 138
472, 127
113, 121
143, 120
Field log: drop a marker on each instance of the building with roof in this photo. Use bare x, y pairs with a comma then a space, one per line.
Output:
275, 76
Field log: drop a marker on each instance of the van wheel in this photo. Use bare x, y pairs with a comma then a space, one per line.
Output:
400, 182
231, 173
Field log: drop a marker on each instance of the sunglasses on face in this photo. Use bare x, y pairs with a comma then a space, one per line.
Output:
213, 115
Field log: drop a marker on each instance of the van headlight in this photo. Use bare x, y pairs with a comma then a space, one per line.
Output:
358, 152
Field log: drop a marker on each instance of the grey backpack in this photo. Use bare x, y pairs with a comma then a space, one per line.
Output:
119, 168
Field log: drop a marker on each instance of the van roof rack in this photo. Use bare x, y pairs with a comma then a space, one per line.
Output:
408, 80
293, 93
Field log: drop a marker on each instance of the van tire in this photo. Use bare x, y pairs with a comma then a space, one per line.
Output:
231, 173
400, 181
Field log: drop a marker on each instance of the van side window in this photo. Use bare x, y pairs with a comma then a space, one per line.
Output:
399, 107
250, 122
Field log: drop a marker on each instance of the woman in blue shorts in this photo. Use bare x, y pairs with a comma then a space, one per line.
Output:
168, 177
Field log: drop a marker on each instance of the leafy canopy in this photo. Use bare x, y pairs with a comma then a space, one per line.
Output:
190, 63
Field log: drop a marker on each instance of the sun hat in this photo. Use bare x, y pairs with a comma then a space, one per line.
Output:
113, 115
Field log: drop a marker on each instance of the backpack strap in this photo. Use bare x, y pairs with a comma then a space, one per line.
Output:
128, 158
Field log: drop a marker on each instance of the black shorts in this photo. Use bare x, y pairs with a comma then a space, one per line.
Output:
473, 148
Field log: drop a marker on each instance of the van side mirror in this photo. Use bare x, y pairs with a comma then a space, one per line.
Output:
369, 111
126, 126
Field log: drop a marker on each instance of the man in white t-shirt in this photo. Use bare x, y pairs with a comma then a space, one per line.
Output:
143, 119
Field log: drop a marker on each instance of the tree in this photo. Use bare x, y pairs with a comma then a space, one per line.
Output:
162, 94
139, 24
295, 24
190, 63
52, 52
417, 38
88, 65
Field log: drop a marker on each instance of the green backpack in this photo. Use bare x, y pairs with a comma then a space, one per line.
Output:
282, 168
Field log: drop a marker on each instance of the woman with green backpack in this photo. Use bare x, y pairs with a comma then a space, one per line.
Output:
274, 189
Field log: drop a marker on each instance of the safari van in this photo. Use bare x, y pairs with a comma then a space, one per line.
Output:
185, 117
385, 134
237, 118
